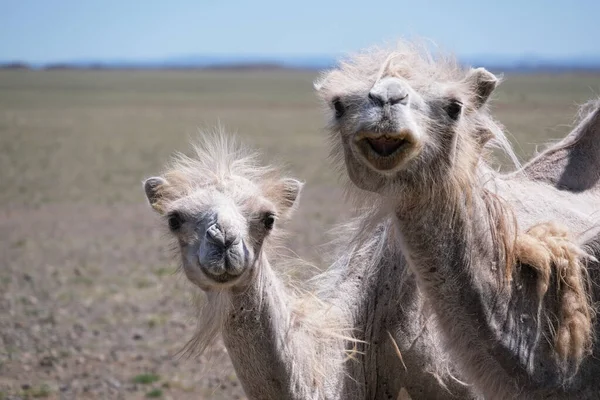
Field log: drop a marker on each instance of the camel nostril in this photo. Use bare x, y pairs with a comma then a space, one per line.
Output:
399, 98
375, 98
389, 91
232, 241
215, 234
222, 238
396, 92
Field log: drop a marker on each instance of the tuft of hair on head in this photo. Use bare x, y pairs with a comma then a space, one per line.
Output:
217, 157
412, 60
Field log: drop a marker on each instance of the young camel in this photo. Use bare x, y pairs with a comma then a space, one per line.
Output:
222, 208
415, 131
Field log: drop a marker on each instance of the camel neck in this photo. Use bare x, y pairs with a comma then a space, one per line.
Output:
455, 231
453, 250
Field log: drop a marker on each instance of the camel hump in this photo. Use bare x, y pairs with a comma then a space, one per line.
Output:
572, 164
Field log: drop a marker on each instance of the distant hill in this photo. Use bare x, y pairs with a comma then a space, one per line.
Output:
14, 65
535, 64
200, 62
312, 62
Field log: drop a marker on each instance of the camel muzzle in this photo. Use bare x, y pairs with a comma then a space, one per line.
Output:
386, 151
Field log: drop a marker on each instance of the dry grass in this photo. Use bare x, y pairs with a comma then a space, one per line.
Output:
88, 300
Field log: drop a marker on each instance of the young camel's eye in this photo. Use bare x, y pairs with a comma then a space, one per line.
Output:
453, 109
269, 220
175, 221
339, 107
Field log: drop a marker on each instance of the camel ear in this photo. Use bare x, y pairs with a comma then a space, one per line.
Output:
482, 83
286, 193
155, 188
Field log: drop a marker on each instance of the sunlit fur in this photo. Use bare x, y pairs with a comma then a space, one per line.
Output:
458, 220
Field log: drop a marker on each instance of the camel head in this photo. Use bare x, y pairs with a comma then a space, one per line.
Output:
400, 117
221, 207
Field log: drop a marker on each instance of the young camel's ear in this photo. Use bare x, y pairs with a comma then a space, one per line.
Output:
483, 83
155, 188
285, 193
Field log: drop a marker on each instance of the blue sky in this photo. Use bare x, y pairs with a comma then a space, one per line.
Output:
54, 30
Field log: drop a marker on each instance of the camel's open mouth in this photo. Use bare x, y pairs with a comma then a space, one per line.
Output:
385, 146
385, 151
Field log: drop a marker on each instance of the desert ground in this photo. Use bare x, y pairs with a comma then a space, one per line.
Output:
91, 306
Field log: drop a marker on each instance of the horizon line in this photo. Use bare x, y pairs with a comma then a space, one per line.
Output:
265, 57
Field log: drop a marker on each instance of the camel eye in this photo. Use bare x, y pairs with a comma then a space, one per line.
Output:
269, 221
175, 221
453, 109
339, 107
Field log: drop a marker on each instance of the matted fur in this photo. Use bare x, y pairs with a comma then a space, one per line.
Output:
550, 250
